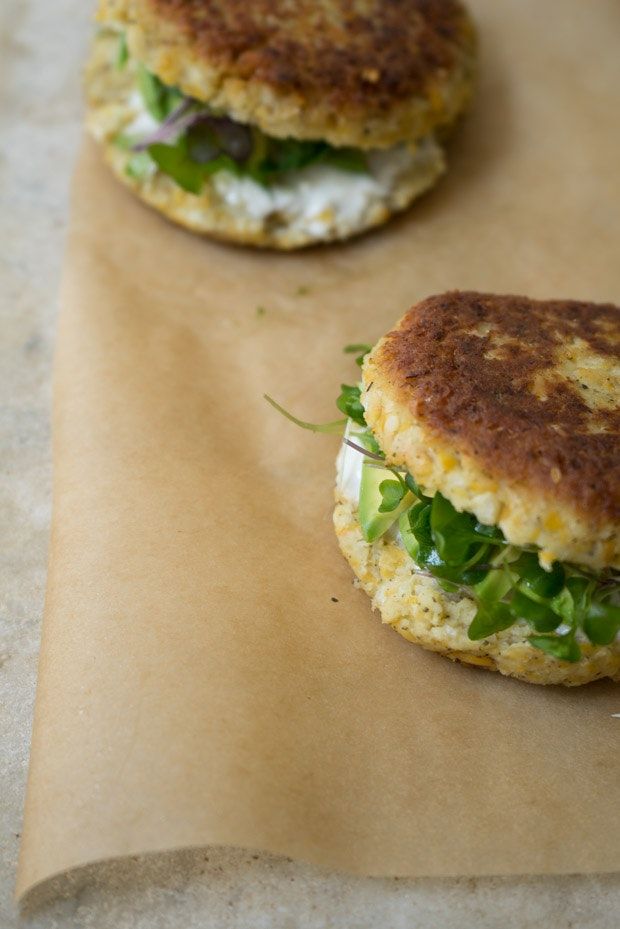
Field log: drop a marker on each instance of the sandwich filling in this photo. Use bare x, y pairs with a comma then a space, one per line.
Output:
564, 604
254, 174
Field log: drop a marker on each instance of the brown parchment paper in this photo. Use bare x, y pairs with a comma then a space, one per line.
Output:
208, 673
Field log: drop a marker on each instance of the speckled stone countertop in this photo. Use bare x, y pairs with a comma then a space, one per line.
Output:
41, 49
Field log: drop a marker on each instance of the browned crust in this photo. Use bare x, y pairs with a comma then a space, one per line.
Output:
365, 52
484, 406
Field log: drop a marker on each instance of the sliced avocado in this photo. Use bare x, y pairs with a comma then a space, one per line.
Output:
374, 523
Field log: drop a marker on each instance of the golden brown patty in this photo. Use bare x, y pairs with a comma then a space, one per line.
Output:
368, 73
510, 408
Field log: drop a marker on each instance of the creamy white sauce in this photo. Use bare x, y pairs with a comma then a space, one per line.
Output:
143, 124
320, 196
349, 470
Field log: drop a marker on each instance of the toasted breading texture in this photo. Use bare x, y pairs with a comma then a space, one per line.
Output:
111, 108
367, 73
416, 607
510, 408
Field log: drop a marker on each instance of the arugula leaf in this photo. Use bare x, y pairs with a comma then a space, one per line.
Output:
392, 493
563, 647
350, 404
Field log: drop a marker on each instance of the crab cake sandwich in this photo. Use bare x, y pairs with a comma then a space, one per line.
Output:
478, 487
278, 124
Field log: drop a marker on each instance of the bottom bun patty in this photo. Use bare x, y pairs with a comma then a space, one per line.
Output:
416, 607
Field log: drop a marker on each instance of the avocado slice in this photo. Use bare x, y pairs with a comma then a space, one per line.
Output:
374, 523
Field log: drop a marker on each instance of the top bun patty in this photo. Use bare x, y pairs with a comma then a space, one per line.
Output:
364, 73
510, 408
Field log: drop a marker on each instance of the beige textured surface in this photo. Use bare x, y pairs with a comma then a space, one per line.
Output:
40, 51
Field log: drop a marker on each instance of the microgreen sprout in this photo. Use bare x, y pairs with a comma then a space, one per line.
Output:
364, 451
349, 402
334, 426
360, 349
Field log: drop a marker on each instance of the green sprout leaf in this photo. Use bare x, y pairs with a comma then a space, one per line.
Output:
350, 404
564, 605
540, 582
414, 487
159, 99
539, 615
490, 618
360, 349
497, 583
367, 440
420, 525
452, 531
492, 533
563, 647
356, 347
602, 623
392, 493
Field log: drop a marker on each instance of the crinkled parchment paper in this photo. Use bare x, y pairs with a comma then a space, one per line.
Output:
208, 672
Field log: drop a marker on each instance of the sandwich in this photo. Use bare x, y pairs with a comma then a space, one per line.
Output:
274, 123
478, 483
